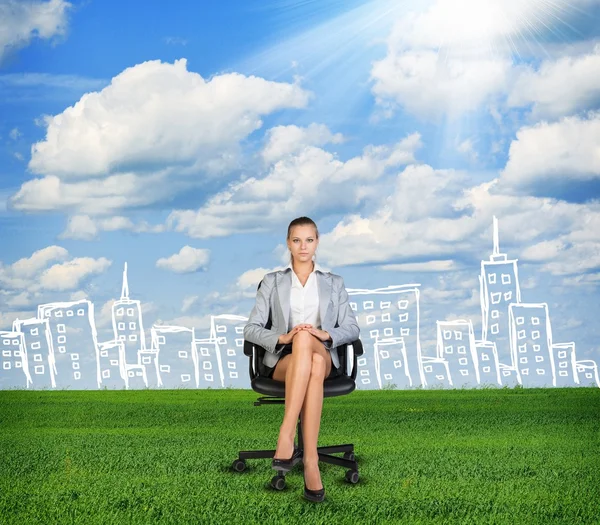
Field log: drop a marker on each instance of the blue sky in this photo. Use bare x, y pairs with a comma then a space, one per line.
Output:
131, 130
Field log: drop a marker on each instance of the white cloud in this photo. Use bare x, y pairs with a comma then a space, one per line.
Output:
116, 223
115, 148
85, 227
104, 316
21, 82
20, 22
22, 273
79, 295
543, 251
68, 275
175, 41
287, 140
429, 266
8, 318
469, 24
311, 179
15, 134
188, 302
96, 196
558, 151
454, 56
186, 261
249, 279
81, 227
18, 300
459, 55
585, 280
559, 87
427, 84
432, 215
35, 280
467, 148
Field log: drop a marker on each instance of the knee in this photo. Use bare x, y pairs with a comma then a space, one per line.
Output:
302, 338
318, 366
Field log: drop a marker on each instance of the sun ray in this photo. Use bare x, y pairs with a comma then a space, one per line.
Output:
334, 56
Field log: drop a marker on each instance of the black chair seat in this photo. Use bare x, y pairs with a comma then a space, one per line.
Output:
333, 386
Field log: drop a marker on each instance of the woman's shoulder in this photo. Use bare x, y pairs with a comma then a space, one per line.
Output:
272, 275
337, 279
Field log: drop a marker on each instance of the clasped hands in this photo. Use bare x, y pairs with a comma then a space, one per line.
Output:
321, 335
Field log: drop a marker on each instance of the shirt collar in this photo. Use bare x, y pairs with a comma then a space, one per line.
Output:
317, 268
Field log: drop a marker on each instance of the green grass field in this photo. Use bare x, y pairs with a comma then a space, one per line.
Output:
454, 456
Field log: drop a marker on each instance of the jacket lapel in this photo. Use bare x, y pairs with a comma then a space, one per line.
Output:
324, 284
284, 288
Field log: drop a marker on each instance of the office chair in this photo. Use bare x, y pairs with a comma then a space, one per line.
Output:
274, 391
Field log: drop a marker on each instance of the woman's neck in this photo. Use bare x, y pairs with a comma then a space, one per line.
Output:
303, 268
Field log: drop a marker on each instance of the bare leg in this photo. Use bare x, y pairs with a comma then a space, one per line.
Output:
297, 377
311, 416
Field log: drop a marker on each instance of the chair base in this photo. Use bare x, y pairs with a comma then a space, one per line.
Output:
325, 455
325, 452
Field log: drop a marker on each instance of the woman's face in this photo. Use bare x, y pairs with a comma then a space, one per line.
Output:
303, 242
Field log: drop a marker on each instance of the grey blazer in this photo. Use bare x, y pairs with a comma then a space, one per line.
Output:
337, 318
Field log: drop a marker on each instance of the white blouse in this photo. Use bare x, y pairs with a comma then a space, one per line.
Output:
304, 300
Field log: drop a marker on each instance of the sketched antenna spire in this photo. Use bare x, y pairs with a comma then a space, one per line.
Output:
125, 289
496, 238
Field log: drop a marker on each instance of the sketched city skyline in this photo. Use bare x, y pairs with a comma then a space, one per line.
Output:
59, 349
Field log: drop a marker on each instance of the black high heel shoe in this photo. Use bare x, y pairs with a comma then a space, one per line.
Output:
314, 495
285, 465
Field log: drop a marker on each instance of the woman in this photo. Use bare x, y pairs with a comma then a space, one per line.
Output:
311, 316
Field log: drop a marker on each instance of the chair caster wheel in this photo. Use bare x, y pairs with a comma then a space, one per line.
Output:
352, 476
349, 456
239, 465
278, 482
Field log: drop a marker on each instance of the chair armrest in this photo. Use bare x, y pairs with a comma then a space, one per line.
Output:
357, 347
250, 351
248, 348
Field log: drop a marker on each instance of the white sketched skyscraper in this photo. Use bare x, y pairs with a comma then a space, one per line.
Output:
499, 287
74, 342
227, 330
127, 323
14, 372
389, 322
38, 350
